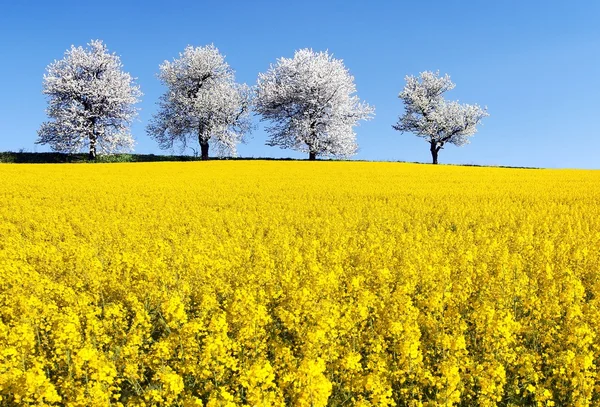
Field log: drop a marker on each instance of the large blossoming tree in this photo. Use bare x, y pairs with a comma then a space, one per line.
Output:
202, 102
310, 100
91, 101
427, 114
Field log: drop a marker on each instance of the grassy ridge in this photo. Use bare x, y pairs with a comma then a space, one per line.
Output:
56, 158
9, 157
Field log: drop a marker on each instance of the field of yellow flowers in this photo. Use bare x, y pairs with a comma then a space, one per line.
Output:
298, 284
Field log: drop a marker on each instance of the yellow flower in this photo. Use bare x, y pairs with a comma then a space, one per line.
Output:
276, 283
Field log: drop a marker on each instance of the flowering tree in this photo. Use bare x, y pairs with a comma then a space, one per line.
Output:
310, 100
428, 115
91, 101
202, 102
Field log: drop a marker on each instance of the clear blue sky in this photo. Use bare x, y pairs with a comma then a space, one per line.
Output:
535, 64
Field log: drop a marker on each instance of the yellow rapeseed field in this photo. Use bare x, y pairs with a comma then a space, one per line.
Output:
259, 283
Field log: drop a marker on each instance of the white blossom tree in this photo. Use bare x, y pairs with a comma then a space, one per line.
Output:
429, 115
311, 101
202, 102
91, 101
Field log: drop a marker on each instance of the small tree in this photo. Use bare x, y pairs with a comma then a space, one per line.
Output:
91, 101
310, 99
202, 102
428, 115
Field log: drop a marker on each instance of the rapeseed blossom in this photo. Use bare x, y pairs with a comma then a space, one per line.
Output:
298, 283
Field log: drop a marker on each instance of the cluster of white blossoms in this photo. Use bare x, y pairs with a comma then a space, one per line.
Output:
202, 101
310, 100
91, 101
427, 114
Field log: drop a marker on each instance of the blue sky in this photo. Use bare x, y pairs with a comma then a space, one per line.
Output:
534, 64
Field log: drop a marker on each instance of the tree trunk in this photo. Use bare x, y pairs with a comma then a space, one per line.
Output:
434, 151
92, 153
204, 150
312, 156
203, 141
